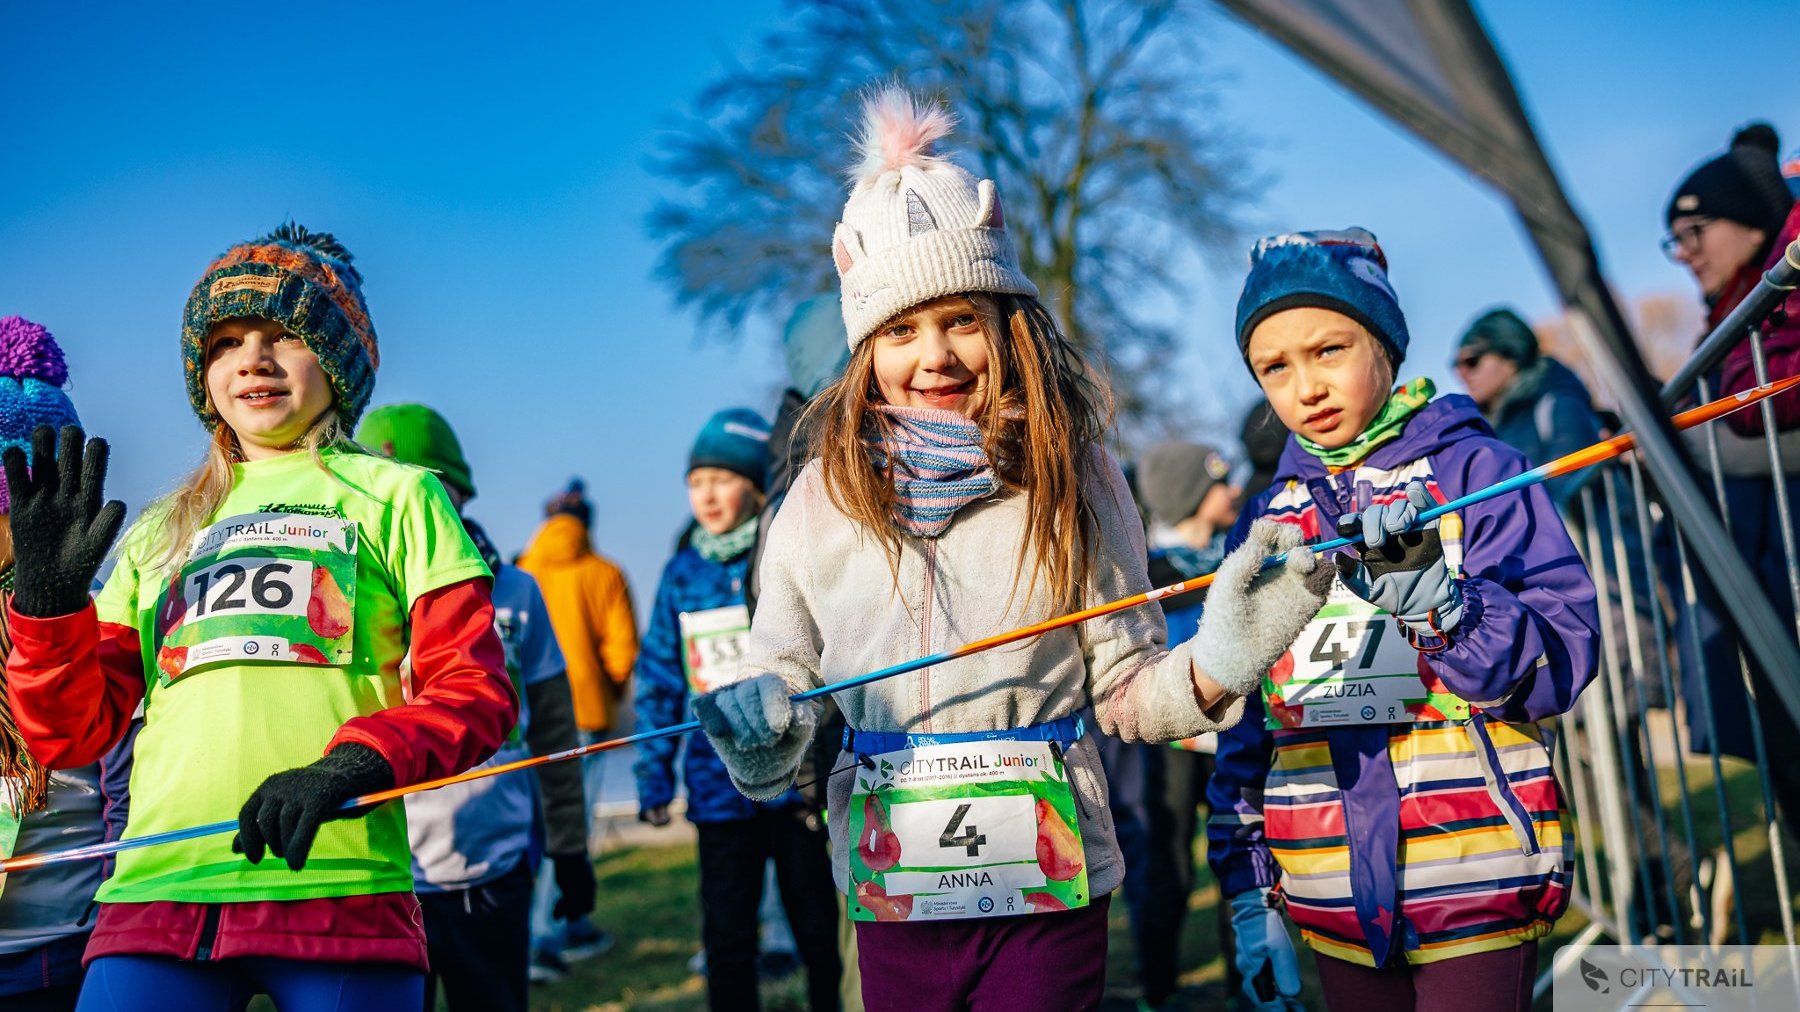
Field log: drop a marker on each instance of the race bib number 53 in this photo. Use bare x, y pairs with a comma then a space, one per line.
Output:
983, 829
712, 646
261, 588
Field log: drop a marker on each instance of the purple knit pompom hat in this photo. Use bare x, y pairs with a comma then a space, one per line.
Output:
32, 375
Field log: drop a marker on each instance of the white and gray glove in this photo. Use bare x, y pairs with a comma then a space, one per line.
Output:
758, 732
1253, 615
1265, 954
1400, 570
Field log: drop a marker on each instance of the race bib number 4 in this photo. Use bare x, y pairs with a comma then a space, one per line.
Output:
712, 646
261, 588
1351, 665
985, 829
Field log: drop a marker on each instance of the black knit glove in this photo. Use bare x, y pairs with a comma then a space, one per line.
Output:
61, 532
575, 881
285, 811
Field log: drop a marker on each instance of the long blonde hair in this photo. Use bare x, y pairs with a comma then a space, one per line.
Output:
182, 513
1048, 411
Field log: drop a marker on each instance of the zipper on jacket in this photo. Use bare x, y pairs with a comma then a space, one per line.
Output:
925, 629
209, 933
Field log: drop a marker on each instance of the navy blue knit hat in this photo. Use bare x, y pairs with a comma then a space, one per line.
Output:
736, 439
1342, 270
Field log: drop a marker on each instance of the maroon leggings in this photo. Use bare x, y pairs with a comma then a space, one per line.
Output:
994, 964
1485, 982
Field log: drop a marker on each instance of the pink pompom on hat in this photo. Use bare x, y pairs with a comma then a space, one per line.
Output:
917, 227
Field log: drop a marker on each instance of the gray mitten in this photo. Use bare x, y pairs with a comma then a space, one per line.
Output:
758, 732
1253, 615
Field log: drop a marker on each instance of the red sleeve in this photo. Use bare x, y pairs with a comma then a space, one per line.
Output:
463, 703
1781, 345
74, 683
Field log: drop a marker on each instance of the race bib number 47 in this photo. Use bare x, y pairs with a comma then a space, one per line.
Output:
261, 588
984, 829
1351, 665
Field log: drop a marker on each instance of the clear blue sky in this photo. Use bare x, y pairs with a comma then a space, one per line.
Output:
487, 165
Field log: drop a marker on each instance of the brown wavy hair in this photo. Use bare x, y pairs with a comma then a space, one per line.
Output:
1048, 410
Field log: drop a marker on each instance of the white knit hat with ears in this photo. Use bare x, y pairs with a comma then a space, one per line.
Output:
916, 227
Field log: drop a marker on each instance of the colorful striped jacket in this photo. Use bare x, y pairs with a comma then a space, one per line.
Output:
1433, 839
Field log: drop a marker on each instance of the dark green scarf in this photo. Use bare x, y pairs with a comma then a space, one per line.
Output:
1385, 428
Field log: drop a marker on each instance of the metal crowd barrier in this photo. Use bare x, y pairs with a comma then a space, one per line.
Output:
1673, 842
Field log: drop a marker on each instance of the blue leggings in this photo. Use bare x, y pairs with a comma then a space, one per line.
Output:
161, 984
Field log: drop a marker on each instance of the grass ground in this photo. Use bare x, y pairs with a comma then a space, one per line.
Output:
648, 899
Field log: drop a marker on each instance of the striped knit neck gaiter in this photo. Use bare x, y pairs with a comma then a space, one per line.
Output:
939, 466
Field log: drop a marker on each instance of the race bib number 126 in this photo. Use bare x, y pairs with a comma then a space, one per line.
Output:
261, 588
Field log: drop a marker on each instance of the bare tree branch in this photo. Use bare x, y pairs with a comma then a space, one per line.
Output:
1096, 117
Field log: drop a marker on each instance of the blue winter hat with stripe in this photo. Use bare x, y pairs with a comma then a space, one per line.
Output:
1343, 270
736, 439
32, 374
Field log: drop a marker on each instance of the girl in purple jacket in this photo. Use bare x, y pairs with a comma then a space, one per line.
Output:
1392, 787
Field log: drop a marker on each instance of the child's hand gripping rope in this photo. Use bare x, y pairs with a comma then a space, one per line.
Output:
60, 530
759, 731
1400, 569
285, 811
1253, 614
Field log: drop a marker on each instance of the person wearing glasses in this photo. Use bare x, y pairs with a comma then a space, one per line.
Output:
1729, 221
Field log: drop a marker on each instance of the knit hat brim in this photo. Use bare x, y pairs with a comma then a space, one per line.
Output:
1322, 300
926, 267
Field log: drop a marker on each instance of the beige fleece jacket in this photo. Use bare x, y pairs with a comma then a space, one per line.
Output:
831, 610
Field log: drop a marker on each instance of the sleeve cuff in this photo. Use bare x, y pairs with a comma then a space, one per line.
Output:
35, 636
1254, 868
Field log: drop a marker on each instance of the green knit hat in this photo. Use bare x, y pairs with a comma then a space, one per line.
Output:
304, 281
415, 434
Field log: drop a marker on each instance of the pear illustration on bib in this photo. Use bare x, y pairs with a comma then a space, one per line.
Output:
173, 610
306, 653
1058, 848
878, 847
328, 612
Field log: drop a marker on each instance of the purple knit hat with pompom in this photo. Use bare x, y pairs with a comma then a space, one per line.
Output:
32, 374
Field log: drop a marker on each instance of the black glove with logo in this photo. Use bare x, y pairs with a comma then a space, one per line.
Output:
61, 532
284, 813
575, 881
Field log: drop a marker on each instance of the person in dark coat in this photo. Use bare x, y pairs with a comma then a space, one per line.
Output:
1729, 220
1539, 407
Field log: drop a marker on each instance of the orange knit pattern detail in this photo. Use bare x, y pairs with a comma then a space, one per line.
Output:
317, 272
